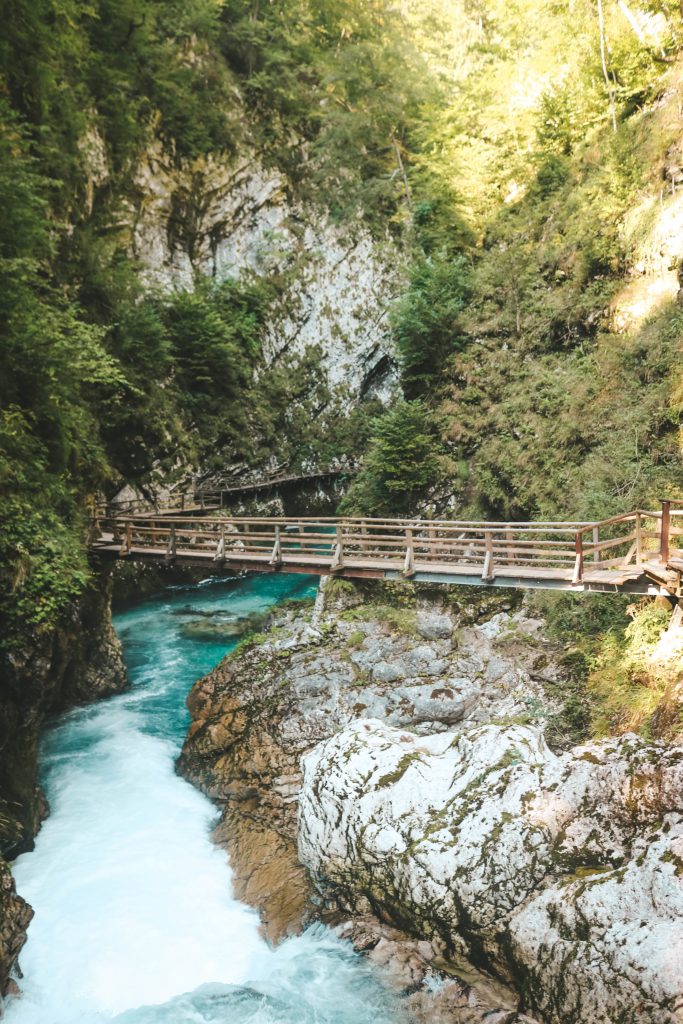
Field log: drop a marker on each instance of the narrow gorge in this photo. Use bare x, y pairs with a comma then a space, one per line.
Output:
341, 468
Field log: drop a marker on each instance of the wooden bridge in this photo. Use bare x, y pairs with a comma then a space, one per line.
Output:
634, 553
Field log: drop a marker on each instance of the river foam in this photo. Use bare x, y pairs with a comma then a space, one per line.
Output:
135, 920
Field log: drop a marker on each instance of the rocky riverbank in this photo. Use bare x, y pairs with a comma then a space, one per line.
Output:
489, 875
413, 657
561, 876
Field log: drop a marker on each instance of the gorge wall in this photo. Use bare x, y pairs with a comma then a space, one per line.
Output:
222, 218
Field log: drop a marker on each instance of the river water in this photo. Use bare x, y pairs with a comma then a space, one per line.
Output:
134, 916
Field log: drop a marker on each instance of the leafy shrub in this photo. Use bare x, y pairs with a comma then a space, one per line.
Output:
552, 174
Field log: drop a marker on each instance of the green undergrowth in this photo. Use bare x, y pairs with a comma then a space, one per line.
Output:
539, 397
619, 677
397, 619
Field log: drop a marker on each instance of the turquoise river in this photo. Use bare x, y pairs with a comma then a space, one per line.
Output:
135, 921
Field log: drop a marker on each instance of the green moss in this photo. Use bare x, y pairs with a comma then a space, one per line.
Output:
399, 771
399, 620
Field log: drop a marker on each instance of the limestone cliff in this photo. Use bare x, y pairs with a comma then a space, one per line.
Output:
223, 217
561, 875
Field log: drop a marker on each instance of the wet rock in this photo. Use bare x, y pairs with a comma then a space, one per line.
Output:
15, 916
214, 630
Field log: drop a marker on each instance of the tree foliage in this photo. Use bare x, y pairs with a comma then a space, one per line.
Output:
404, 463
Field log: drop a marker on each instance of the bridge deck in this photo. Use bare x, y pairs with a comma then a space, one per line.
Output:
630, 553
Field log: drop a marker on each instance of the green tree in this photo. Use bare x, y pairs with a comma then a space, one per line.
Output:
404, 464
426, 320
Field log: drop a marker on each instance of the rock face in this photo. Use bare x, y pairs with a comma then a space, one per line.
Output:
561, 875
416, 663
222, 219
15, 917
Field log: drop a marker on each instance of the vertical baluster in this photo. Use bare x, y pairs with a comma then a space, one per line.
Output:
510, 544
578, 562
220, 547
488, 573
639, 539
596, 541
338, 557
172, 544
128, 538
409, 562
276, 556
664, 535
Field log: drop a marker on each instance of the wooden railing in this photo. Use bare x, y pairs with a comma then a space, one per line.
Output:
630, 539
220, 496
399, 542
167, 505
576, 552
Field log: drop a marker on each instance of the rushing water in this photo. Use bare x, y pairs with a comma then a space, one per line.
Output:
135, 921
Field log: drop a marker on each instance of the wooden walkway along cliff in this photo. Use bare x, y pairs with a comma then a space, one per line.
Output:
635, 553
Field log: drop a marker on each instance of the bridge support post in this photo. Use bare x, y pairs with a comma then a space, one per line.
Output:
409, 563
338, 557
639, 539
665, 532
276, 555
578, 562
128, 539
509, 539
220, 548
488, 574
171, 546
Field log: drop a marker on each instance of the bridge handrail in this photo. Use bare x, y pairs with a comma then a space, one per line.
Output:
397, 543
637, 539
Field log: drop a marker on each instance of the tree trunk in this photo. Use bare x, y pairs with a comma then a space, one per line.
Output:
603, 58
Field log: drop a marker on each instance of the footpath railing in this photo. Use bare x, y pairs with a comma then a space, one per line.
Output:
214, 498
634, 538
174, 503
570, 549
